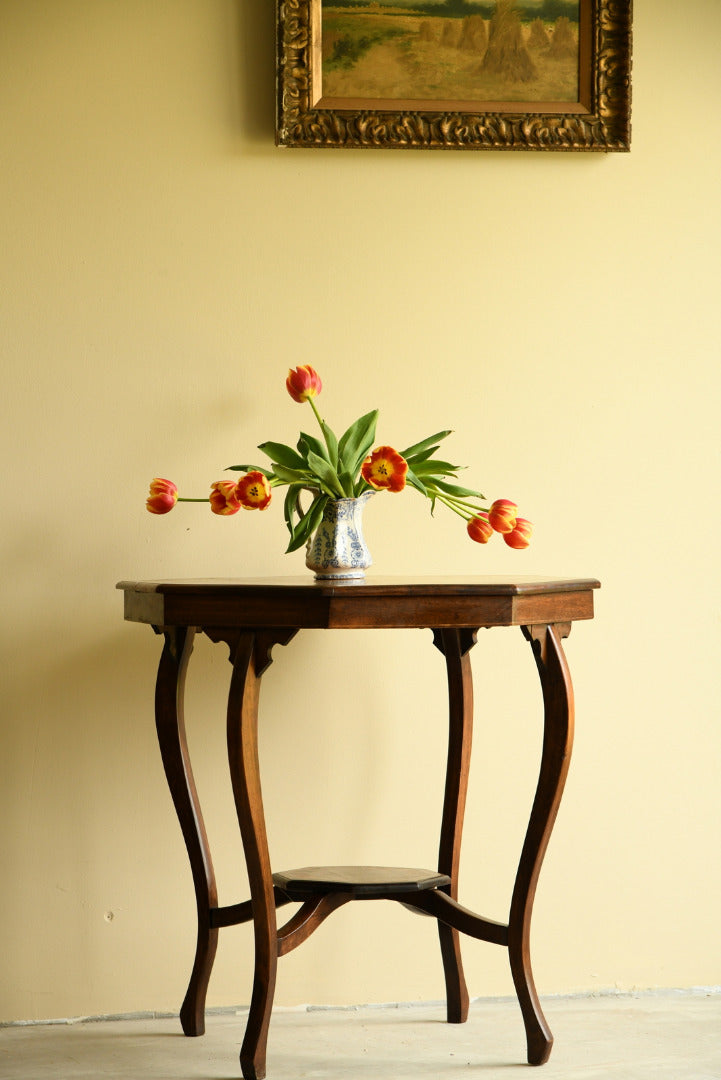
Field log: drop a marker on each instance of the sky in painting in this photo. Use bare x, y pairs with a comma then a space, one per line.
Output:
412, 3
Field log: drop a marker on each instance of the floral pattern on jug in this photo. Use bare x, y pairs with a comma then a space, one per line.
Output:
338, 549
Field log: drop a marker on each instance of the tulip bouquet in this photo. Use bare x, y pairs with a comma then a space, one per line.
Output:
329, 468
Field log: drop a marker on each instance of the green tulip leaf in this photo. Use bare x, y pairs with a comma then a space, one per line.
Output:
413, 480
434, 466
291, 505
423, 455
293, 476
346, 482
281, 454
309, 443
250, 468
456, 489
325, 472
331, 443
308, 524
357, 441
419, 447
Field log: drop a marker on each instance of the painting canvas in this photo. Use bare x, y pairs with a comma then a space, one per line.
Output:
450, 50
455, 74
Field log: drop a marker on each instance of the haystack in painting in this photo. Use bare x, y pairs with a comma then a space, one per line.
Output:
426, 31
538, 37
451, 34
473, 34
507, 56
563, 43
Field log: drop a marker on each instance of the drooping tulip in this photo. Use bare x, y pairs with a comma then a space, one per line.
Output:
480, 529
520, 536
163, 496
223, 499
502, 515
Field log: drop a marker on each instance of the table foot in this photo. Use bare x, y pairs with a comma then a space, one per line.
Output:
255, 1040
540, 1044
251, 1071
456, 990
539, 1040
192, 1011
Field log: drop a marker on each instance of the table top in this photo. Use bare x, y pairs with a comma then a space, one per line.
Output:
382, 602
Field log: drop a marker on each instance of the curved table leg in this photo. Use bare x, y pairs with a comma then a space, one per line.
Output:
455, 645
557, 743
245, 776
170, 723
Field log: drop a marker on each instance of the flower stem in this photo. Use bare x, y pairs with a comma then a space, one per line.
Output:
459, 506
321, 425
332, 450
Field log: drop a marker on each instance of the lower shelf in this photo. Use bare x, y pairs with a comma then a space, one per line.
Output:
359, 881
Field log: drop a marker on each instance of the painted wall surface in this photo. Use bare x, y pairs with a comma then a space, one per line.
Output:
163, 264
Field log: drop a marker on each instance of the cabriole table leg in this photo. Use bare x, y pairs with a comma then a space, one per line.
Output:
557, 742
455, 646
245, 776
170, 724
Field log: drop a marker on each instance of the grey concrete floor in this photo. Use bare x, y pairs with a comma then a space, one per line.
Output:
669, 1036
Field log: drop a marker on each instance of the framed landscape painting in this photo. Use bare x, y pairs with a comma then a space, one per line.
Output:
455, 74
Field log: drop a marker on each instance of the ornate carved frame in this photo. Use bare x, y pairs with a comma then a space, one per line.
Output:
599, 120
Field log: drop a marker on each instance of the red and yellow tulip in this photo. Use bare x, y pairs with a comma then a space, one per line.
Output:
385, 469
253, 491
163, 496
502, 515
223, 498
480, 529
303, 383
520, 536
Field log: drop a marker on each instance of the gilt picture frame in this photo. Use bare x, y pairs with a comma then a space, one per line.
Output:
454, 74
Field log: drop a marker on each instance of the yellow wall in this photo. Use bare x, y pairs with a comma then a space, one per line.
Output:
162, 266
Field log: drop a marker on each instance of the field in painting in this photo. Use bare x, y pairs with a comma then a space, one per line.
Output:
395, 52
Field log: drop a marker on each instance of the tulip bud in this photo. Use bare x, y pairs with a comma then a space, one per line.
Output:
163, 496
520, 536
303, 383
480, 529
502, 515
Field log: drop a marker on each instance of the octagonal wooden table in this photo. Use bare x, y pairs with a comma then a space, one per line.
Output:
251, 617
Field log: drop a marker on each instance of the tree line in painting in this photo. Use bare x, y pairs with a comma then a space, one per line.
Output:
548, 10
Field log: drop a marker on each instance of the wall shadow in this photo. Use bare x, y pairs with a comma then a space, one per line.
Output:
255, 53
